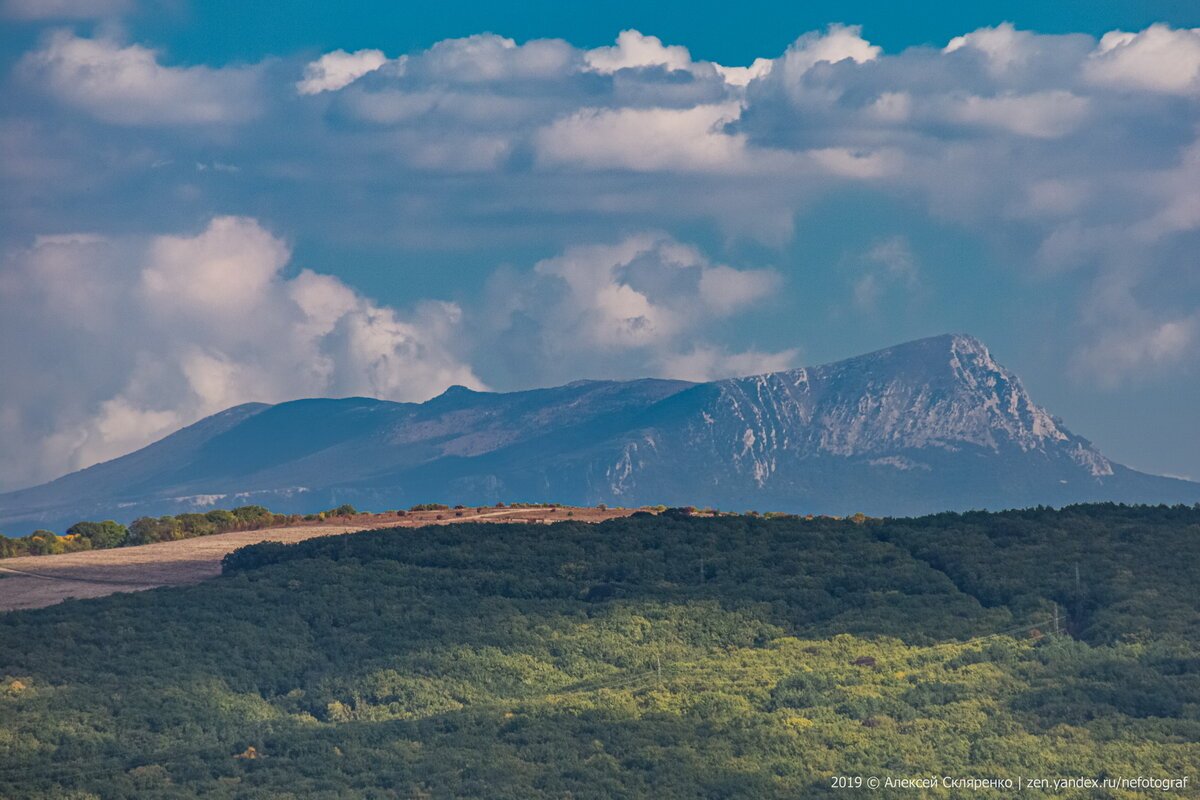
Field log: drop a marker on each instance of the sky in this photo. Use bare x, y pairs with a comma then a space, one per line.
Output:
204, 204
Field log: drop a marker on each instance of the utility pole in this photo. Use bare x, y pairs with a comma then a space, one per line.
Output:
1056, 619
658, 667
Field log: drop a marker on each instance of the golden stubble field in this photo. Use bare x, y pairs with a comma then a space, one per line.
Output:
38, 581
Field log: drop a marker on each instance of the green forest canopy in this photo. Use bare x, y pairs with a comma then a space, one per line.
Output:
650, 656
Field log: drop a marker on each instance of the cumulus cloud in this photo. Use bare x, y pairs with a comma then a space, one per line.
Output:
127, 85
1003, 46
634, 49
1068, 158
148, 335
1133, 349
1042, 115
485, 58
741, 76
839, 43
337, 69
639, 306
644, 139
1158, 59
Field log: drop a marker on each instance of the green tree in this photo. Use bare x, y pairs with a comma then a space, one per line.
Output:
252, 515
222, 518
44, 543
101, 535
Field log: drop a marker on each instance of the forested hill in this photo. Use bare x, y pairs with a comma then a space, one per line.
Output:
652, 656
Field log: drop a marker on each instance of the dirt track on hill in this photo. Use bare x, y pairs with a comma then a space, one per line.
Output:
39, 581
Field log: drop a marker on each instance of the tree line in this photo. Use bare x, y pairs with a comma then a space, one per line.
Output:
92, 535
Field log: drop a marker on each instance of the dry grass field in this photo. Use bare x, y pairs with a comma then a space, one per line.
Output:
37, 581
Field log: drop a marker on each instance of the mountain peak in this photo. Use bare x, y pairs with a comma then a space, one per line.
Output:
457, 390
927, 425
943, 391
933, 352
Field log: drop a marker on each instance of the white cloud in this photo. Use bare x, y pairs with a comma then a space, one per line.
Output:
147, 336
1132, 349
337, 69
850, 163
1158, 59
633, 49
741, 76
644, 139
485, 58
1002, 46
637, 307
891, 107
1062, 157
711, 363
227, 270
887, 265
127, 85
1041, 115
838, 43
726, 290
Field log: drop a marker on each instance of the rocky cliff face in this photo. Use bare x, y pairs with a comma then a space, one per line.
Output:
925, 426
940, 394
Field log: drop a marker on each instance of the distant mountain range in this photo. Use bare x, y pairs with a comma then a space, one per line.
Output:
930, 425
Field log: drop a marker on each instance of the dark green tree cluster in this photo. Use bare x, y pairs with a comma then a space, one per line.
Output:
674, 656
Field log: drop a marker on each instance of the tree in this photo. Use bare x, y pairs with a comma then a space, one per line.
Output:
112, 534
146, 530
252, 515
223, 519
44, 543
196, 525
102, 535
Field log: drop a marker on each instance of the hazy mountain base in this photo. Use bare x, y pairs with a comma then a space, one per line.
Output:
653, 656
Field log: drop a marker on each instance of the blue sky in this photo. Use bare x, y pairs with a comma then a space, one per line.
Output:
219, 31
211, 203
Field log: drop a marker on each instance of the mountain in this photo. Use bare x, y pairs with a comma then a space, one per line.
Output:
930, 425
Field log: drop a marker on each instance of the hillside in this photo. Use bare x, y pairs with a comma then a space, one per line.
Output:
925, 426
36, 581
649, 656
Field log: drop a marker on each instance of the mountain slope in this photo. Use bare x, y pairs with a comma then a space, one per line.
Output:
929, 425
